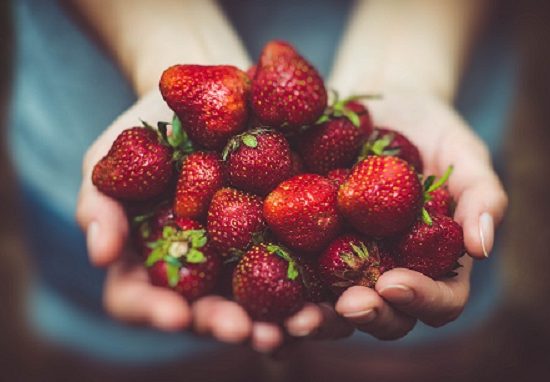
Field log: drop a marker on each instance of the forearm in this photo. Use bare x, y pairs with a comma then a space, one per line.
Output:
147, 36
418, 45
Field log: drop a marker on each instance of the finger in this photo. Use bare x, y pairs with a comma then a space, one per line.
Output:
433, 302
370, 313
481, 198
318, 321
225, 320
129, 297
104, 223
266, 337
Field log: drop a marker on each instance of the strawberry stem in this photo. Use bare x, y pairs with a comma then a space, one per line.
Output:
426, 217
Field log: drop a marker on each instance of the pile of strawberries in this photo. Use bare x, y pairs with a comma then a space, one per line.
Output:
261, 191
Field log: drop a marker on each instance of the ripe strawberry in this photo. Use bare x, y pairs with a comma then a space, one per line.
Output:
234, 220
390, 142
287, 91
297, 164
138, 166
184, 261
148, 227
251, 72
301, 211
338, 175
431, 249
267, 283
211, 101
201, 175
381, 197
349, 261
315, 289
441, 202
336, 139
258, 160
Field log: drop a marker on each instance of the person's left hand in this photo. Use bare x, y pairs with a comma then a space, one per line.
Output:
402, 296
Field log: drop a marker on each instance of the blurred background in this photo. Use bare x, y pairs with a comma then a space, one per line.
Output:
513, 345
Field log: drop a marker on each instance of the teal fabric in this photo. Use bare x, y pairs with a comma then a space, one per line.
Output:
66, 91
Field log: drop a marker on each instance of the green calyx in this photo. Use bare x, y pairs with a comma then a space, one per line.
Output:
359, 254
177, 248
338, 109
177, 139
248, 138
430, 185
292, 270
378, 145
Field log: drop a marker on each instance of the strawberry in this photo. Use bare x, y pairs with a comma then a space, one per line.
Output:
381, 197
258, 160
315, 289
267, 283
184, 261
336, 139
211, 101
234, 220
201, 175
287, 91
441, 202
138, 166
148, 227
297, 164
338, 175
432, 249
349, 261
251, 72
302, 213
390, 142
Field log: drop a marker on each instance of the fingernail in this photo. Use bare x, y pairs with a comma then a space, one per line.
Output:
362, 317
398, 294
92, 235
486, 232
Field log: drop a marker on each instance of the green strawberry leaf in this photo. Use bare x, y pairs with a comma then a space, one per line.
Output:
361, 250
194, 256
352, 116
167, 232
426, 217
156, 255
172, 260
322, 119
198, 238
428, 182
349, 259
147, 125
173, 273
178, 135
441, 181
250, 140
292, 272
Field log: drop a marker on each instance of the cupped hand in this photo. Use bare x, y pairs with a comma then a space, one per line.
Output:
128, 294
401, 296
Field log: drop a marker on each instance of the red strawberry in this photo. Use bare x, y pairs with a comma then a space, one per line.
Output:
201, 175
339, 175
138, 166
336, 139
258, 160
441, 202
431, 249
267, 283
349, 261
184, 261
315, 289
287, 91
381, 197
302, 213
211, 101
297, 164
390, 142
235, 220
148, 228
251, 72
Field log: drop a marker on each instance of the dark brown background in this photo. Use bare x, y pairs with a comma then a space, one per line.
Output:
514, 345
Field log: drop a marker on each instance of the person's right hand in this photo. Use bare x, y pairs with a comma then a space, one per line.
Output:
128, 294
